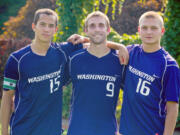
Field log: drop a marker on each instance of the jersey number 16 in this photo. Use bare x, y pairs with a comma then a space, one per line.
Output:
142, 87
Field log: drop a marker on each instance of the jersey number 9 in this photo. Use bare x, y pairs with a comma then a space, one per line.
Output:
110, 89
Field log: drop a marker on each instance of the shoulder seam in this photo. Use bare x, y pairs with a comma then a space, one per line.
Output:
23, 56
76, 55
14, 57
70, 59
60, 49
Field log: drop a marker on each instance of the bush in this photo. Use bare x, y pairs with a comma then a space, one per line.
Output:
9, 8
20, 26
7, 47
127, 20
171, 39
124, 39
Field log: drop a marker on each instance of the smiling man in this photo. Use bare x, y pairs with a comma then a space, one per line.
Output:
96, 77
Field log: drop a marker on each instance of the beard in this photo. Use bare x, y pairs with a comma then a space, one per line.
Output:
97, 39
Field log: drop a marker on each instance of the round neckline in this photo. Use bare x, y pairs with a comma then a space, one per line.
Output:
151, 53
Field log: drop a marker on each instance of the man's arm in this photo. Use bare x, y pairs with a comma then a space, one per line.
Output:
6, 110
123, 52
171, 117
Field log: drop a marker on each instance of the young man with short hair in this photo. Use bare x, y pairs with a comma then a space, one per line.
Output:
96, 77
35, 74
152, 83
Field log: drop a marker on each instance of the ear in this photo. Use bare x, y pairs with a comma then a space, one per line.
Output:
33, 26
139, 29
56, 29
163, 30
85, 30
108, 29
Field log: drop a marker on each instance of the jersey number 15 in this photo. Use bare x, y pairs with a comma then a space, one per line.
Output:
54, 84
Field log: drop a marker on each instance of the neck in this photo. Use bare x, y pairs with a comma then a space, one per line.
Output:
151, 47
40, 47
98, 50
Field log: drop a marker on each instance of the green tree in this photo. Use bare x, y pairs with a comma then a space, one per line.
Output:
171, 39
20, 26
73, 12
9, 8
172, 26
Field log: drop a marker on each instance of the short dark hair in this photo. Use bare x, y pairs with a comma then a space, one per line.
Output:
98, 14
46, 11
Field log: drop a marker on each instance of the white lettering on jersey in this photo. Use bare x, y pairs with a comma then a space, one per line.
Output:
96, 77
44, 77
141, 74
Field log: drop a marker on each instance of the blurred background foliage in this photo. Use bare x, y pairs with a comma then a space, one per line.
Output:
16, 19
9, 8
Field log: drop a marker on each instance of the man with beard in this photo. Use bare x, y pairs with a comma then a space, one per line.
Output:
96, 76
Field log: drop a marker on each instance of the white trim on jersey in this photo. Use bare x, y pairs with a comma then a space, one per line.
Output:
14, 57
71, 58
173, 65
115, 54
19, 92
60, 49
162, 81
73, 91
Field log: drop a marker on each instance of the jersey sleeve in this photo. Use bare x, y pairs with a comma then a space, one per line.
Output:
130, 47
66, 80
10, 74
172, 83
69, 48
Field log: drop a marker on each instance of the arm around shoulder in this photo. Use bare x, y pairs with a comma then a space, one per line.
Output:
123, 52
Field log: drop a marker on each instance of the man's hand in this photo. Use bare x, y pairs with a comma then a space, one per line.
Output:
122, 52
77, 39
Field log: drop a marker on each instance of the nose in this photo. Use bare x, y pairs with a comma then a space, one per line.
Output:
46, 28
97, 28
149, 30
